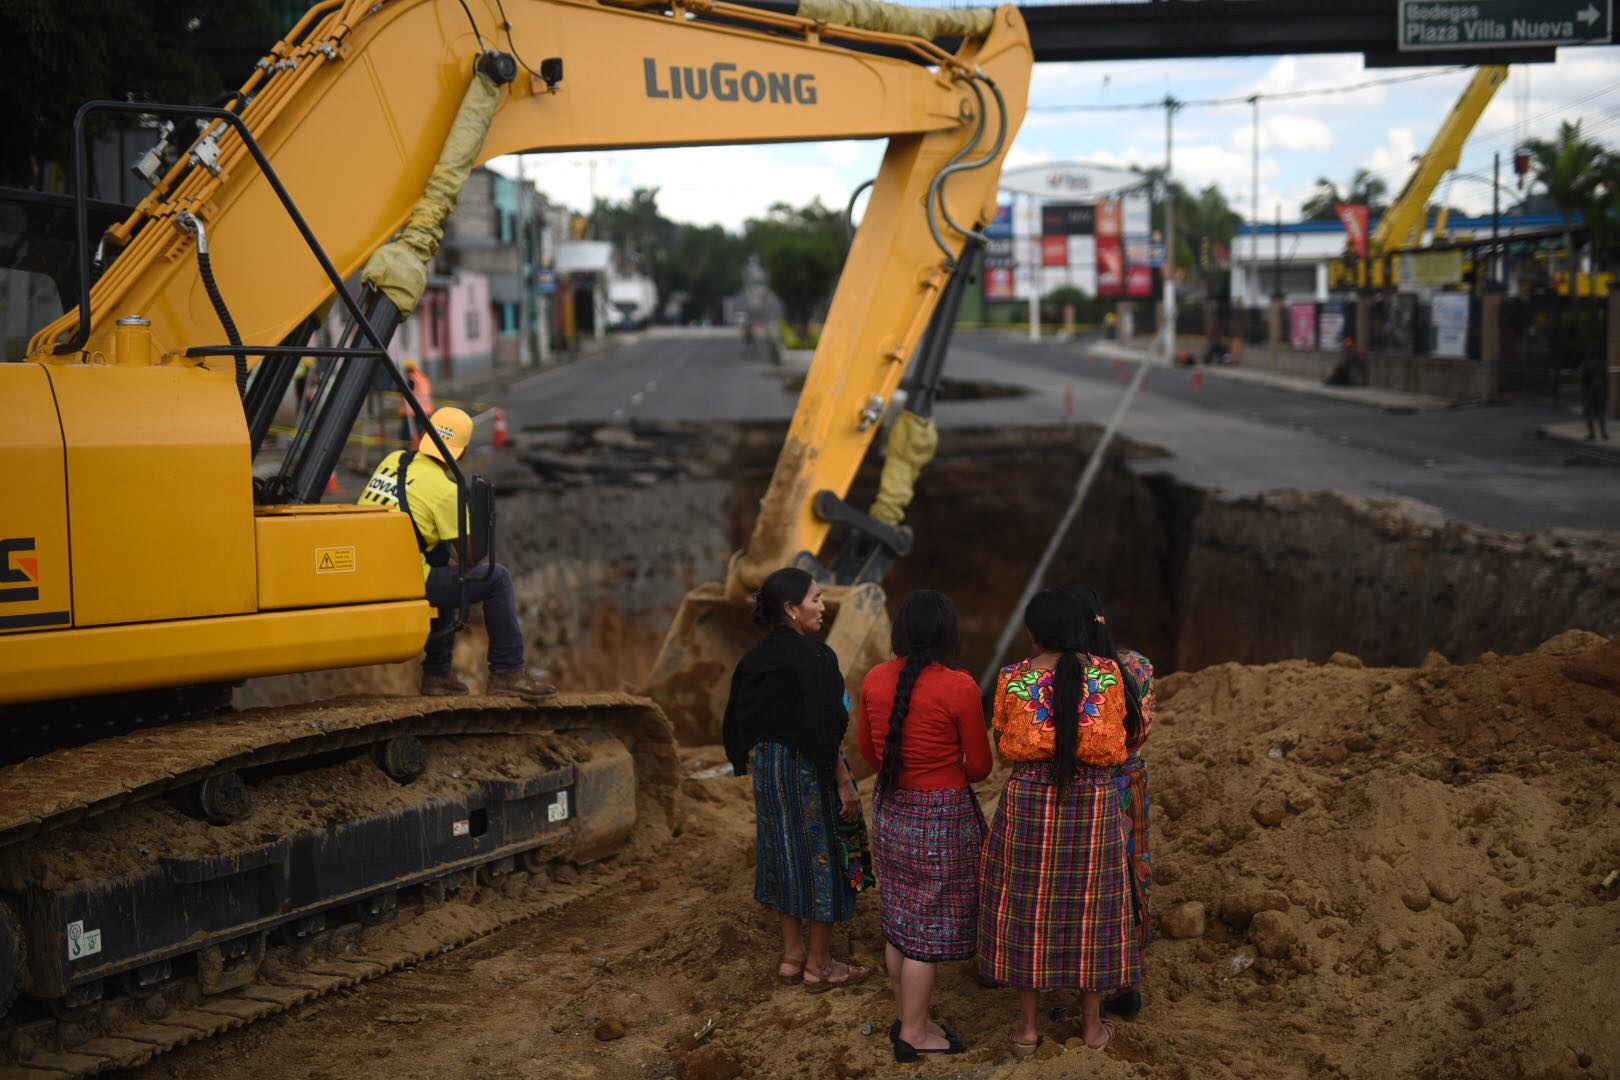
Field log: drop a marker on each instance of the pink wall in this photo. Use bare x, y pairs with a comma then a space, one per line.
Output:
471, 331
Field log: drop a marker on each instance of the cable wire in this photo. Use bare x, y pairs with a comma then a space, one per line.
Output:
483, 47
1249, 99
506, 25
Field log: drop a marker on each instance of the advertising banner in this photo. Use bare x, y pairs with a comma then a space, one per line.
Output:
1448, 325
1354, 217
1302, 326
1054, 251
1110, 266
1108, 218
1330, 329
999, 283
1001, 226
1134, 217
1068, 219
1138, 281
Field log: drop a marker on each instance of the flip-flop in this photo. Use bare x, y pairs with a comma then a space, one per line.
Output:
1111, 1027
823, 983
1022, 1051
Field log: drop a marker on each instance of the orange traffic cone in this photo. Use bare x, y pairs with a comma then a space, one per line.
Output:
332, 485
1068, 403
503, 437
1198, 380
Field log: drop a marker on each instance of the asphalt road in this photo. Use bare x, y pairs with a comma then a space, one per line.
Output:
1480, 464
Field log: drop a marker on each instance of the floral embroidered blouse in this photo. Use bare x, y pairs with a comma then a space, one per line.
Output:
1023, 710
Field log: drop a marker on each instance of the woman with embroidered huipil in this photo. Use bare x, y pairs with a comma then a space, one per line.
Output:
1056, 895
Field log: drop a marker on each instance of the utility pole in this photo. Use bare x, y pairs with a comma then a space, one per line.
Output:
1168, 330
525, 283
1254, 193
1496, 218
1032, 216
1276, 286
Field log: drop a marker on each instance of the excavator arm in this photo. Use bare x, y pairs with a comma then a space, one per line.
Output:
352, 111
1402, 224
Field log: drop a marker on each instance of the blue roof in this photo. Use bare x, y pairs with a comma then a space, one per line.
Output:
1508, 221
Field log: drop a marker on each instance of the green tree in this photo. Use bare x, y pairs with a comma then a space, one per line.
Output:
62, 53
640, 235
1364, 188
705, 264
802, 250
698, 265
1570, 168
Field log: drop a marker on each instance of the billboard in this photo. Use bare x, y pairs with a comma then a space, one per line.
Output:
1068, 219
1110, 266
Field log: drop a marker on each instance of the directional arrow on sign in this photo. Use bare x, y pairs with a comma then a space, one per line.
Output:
1589, 16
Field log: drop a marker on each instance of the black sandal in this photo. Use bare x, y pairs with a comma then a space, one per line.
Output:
905, 1053
950, 1036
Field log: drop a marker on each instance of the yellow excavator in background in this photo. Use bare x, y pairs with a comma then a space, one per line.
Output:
1401, 227
153, 849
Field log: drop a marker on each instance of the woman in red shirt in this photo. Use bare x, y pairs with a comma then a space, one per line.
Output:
922, 730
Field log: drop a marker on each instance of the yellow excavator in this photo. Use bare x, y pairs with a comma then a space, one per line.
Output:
169, 868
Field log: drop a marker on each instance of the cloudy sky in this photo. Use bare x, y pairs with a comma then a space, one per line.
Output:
1378, 128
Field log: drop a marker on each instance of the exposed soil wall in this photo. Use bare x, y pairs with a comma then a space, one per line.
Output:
606, 528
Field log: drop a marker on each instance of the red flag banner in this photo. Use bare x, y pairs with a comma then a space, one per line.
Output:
1354, 216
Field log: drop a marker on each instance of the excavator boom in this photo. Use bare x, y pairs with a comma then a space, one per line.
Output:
150, 861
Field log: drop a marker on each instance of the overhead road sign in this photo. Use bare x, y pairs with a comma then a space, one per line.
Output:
1429, 25
1188, 28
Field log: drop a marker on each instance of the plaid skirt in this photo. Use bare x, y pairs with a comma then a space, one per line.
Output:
1131, 781
1055, 893
926, 847
797, 867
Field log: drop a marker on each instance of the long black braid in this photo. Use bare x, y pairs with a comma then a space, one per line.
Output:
1071, 623
924, 632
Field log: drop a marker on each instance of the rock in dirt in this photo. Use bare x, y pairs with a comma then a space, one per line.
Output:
709, 1063
1433, 660
1443, 890
1241, 906
1345, 660
1273, 934
845, 1069
1269, 810
1416, 899
609, 1028
1183, 921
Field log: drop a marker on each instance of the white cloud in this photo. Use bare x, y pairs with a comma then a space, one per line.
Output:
1296, 131
1393, 160
719, 185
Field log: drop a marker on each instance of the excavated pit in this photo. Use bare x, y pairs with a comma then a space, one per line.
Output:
612, 526
605, 528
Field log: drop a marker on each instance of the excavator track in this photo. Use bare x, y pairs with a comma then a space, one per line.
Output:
164, 885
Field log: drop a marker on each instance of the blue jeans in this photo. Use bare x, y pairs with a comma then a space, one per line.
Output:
487, 585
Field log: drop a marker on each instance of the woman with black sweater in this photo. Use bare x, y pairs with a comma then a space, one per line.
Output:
784, 723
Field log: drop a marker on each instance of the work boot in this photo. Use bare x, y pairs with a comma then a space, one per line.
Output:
446, 685
521, 684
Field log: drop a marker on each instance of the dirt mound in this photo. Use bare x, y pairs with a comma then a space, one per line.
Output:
1402, 874
1434, 842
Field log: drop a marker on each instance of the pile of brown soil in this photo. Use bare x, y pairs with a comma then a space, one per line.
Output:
1401, 870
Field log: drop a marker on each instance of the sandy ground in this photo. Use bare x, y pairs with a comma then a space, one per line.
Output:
1401, 874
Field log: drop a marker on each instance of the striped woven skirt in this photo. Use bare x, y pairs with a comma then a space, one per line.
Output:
1055, 892
796, 864
926, 847
1130, 780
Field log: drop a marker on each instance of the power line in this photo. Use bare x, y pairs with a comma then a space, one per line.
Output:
1249, 99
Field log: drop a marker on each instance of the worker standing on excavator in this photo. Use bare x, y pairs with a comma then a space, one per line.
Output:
429, 496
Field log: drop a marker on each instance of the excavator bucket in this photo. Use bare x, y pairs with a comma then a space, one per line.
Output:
692, 675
